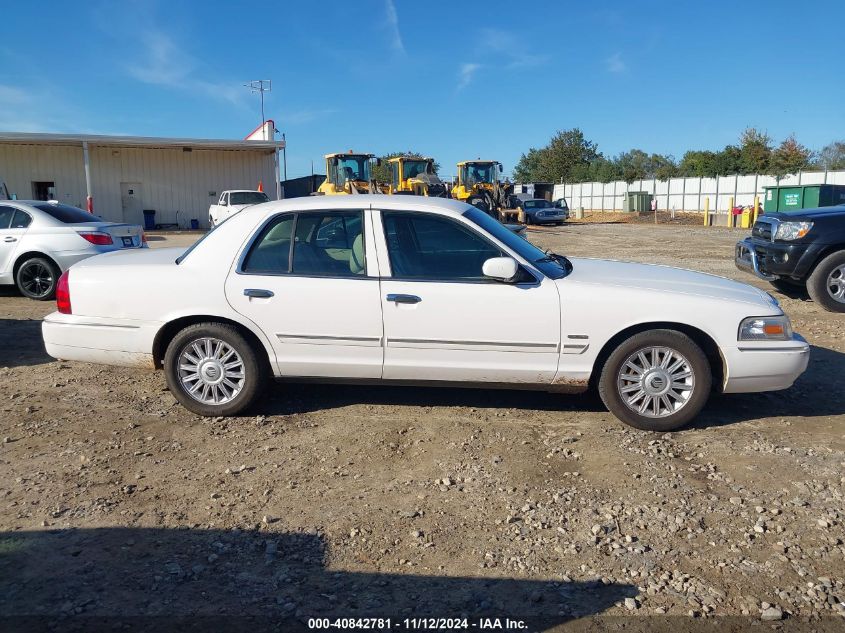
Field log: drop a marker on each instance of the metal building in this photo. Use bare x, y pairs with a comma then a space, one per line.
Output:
178, 178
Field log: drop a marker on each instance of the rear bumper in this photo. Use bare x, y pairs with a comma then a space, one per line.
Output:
759, 366
97, 340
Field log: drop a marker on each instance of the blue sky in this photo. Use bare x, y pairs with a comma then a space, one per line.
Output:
455, 80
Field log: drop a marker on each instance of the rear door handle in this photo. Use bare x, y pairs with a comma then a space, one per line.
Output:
258, 293
403, 298
11, 239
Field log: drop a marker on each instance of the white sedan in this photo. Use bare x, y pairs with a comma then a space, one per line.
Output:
398, 289
39, 240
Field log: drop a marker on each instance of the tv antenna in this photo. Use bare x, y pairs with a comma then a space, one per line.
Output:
260, 86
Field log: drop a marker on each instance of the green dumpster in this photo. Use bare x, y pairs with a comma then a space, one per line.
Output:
796, 197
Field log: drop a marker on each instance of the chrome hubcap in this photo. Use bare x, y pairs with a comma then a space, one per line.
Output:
36, 279
656, 382
211, 371
836, 284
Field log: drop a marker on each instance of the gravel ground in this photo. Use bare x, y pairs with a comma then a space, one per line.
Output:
358, 501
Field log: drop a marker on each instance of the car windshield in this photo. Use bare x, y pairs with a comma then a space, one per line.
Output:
537, 204
413, 168
248, 197
66, 213
551, 266
478, 172
353, 168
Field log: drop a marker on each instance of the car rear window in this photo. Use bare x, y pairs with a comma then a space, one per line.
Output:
66, 213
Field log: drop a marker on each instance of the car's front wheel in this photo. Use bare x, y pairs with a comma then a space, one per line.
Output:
36, 278
826, 284
212, 370
656, 380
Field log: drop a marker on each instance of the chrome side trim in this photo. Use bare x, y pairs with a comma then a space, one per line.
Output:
323, 339
503, 346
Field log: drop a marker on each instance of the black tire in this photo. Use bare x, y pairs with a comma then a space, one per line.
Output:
683, 347
36, 278
828, 275
254, 369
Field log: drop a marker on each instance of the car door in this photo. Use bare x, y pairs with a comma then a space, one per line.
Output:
310, 282
13, 226
444, 321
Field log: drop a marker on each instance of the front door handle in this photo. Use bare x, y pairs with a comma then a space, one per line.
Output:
11, 239
258, 293
403, 298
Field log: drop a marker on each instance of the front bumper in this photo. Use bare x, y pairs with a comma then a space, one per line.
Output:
754, 366
775, 260
542, 219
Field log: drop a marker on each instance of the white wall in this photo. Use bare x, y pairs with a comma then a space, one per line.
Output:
687, 194
172, 180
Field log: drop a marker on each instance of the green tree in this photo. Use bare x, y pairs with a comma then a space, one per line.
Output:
789, 158
698, 163
567, 153
755, 149
832, 156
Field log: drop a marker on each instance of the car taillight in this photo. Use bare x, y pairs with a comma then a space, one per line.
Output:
100, 239
63, 294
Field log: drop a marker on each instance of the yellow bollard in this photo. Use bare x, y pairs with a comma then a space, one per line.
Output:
706, 211
756, 210
731, 212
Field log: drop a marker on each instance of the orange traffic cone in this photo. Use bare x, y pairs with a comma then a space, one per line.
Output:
260, 186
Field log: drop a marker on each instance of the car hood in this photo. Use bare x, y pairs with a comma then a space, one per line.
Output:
664, 279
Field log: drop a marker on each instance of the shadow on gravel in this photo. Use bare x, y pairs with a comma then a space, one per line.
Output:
285, 398
210, 580
21, 343
816, 393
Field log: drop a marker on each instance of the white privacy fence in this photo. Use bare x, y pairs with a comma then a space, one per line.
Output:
687, 194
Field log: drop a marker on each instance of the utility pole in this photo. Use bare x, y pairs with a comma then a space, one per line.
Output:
260, 86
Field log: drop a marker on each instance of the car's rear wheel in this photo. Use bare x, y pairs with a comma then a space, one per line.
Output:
826, 284
213, 370
36, 278
657, 380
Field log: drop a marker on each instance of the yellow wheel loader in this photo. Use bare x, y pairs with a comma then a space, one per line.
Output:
479, 184
415, 175
348, 173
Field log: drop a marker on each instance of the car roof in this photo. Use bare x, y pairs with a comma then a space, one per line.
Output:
443, 206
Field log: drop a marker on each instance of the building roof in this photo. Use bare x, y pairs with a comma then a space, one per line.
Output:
32, 138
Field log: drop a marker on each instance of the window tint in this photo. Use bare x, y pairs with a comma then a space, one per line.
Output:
330, 244
6, 214
20, 220
66, 213
428, 247
327, 244
271, 251
247, 197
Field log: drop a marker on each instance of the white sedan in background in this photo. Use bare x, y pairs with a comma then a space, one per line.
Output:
397, 289
39, 240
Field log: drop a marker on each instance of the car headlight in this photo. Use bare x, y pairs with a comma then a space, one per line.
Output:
771, 328
789, 231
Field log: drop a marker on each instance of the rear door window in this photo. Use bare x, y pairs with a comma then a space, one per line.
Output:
20, 220
6, 214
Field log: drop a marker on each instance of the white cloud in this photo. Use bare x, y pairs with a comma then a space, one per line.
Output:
466, 73
615, 64
393, 24
510, 48
166, 64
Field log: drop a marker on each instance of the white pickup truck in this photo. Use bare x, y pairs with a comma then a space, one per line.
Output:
231, 202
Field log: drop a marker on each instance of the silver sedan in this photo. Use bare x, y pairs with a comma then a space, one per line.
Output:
40, 240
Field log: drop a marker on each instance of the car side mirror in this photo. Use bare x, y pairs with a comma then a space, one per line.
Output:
500, 268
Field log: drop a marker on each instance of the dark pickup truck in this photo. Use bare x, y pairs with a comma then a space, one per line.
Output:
797, 250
